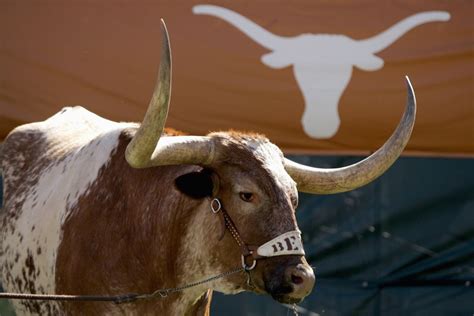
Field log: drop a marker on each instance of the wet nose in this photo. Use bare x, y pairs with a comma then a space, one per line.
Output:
301, 278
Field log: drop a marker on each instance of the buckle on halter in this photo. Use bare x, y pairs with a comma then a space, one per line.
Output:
216, 208
245, 266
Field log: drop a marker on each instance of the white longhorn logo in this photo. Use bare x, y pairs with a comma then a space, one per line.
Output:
322, 63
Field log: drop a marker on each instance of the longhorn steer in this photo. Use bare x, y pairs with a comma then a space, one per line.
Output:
98, 207
322, 63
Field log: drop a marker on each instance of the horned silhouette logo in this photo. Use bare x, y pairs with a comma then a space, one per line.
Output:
322, 63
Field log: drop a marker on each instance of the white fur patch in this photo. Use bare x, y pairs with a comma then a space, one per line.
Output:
272, 157
82, 142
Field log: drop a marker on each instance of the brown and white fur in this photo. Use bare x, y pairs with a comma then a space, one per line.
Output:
77, 219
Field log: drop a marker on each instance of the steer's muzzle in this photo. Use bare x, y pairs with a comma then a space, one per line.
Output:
290, 283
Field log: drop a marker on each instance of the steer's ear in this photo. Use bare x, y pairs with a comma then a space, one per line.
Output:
196, 185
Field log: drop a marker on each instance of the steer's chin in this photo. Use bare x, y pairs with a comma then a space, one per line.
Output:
287, 299
286, 295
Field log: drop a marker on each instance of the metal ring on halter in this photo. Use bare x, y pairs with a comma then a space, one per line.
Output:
246, 267
219, 206
163, 294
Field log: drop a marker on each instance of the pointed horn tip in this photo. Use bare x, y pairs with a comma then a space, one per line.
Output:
335, 180
411, 91
164, 28
407, 80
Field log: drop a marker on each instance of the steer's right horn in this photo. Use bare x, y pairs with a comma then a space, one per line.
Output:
327, 181
148, 148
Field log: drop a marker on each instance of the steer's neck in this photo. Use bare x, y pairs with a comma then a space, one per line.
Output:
188, 264
126, 235
196, 261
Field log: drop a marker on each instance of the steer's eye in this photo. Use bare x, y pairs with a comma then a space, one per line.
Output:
246, 196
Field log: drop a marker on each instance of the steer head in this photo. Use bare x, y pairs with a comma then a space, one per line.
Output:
256, 187
322, 63
249, 180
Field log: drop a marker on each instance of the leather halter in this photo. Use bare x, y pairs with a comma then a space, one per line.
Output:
288, 243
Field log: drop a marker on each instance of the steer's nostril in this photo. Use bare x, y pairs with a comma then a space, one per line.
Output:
300, 279
296, 279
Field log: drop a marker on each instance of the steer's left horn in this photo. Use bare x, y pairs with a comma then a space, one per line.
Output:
143, 144
146, 149
335, 180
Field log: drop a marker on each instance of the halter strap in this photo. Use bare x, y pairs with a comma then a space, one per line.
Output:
288, 243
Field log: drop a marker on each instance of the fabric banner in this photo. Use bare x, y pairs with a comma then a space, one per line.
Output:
314, 76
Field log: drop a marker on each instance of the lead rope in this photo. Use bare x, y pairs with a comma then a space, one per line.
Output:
117, 299
164, 292
295, 311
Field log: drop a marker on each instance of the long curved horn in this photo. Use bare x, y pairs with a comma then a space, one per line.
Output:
335, 180
140, 149
381, 41
248, 27
146, 149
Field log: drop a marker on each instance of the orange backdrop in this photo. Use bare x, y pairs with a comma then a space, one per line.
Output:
104, 56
